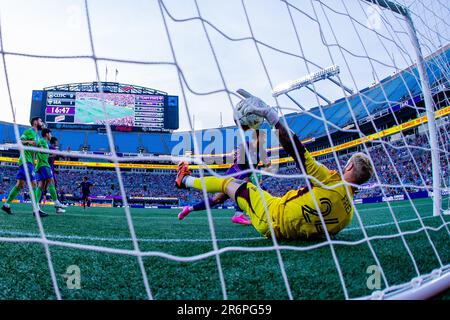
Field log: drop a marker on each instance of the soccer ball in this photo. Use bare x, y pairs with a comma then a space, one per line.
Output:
247, 121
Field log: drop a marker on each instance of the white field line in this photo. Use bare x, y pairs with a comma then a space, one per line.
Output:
116, 239
174, 216
155, 240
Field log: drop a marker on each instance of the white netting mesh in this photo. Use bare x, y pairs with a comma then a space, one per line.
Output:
268, 44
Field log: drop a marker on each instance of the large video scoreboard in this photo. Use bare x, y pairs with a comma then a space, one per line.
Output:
92, 110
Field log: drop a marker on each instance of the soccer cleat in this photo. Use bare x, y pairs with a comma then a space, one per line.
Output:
241, 219
184, 213
59, 205
7, 209
42, 214
182, 171
60, 210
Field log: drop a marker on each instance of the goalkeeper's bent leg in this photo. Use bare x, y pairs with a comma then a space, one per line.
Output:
212, 184
250, 199
228, 186
246, 195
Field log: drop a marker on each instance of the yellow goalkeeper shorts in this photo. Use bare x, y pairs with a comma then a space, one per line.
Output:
254, 205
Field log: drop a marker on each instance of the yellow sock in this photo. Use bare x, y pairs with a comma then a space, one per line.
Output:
213, 184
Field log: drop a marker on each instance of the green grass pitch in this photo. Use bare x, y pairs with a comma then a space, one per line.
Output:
24, 272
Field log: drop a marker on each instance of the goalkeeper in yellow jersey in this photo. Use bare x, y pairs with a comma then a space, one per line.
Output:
296, 215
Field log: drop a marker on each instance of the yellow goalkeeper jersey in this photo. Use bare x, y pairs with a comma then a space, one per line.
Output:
295, 215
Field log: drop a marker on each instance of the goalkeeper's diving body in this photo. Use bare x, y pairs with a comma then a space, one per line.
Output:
294, 215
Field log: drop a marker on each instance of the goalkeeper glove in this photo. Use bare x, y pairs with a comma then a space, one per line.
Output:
254, 105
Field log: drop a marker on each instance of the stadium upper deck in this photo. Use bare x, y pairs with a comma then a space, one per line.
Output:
369, 101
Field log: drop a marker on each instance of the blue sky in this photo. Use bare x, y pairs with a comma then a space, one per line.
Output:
134, 30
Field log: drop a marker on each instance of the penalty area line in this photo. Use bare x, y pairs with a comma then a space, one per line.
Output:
117, 239
174, 240
202, 217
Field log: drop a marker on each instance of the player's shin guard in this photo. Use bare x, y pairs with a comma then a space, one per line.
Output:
37, 194
13, 194
52, 190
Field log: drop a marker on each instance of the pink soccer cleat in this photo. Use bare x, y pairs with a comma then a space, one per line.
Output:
184, 213
241, 219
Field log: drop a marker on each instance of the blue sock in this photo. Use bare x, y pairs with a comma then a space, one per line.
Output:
200, 206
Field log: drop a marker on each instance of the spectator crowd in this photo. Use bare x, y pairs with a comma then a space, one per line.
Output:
402, 165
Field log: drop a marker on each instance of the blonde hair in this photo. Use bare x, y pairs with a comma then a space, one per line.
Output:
362, 168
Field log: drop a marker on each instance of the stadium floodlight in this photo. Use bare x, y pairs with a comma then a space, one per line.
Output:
305, 81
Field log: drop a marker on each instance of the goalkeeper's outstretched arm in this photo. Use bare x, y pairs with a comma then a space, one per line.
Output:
289, 140
303, 159
293, 147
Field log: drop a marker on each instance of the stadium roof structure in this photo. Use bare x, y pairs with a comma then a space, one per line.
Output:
109, 87
399, 88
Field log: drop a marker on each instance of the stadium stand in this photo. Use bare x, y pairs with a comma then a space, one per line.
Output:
159, 183
306, 125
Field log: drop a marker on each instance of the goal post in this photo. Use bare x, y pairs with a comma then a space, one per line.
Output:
426, 91
441, 282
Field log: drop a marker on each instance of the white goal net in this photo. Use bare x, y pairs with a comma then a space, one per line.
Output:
387, 95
